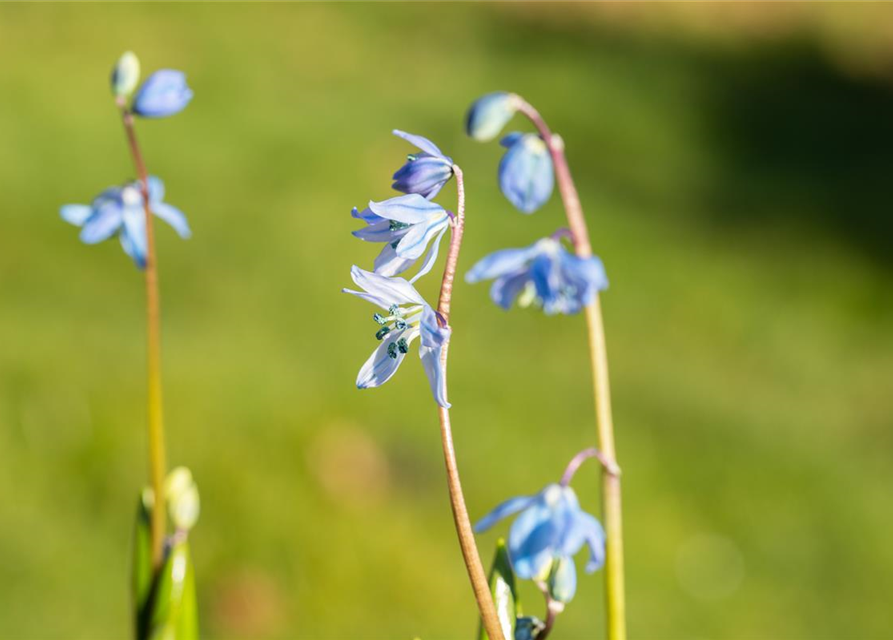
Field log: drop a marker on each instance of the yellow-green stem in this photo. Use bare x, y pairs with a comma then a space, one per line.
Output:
614, 583
467, 543
157, 465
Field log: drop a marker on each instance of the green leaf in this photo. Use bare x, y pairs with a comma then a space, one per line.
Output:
505, 593
141, 570
174, 612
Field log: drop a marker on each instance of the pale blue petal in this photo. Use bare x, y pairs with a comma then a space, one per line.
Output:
422, 143
506, 288
366, 214
595, 540
104, 222
563, 581
377, 232
532, 554
431, 258
173, 216
500, 263
388, 263
156, 189
163, 94
503, 510
433, 335
433, 365
416, 240
75, 214
409, 209
135, 229
396, 290
132, 250
545, 271
380, 366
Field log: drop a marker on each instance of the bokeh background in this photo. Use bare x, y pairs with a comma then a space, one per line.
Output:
735, 163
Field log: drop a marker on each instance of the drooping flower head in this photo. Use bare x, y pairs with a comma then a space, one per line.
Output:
424, 173
119, 211
407, 225
545, 274
525, 171
163, 94
544, 538
489, 114
408, 317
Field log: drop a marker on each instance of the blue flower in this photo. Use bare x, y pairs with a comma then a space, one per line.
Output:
408, 317
544, 273
163, 94
489, 114
549, 531
407, 225
424, 173
525, 171
119, 210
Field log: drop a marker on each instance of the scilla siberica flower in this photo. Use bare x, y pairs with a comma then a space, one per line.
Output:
163, 94
525, 171
489, 114
407, 225
119, 210
408, 317
549, 531
544, 273
424, 173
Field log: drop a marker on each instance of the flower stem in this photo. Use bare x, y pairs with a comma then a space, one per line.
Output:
609, 465
153, 343
470, 554
614, 590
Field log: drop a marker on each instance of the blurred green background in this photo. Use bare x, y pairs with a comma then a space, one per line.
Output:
735, 165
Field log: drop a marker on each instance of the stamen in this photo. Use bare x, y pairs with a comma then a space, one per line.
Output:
394, 310
397, 226
392, 350
380, 319
402, 346
400, 324
381, 333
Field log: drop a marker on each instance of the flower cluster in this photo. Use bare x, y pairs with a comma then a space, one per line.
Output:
410, 227
545, 273
121, 210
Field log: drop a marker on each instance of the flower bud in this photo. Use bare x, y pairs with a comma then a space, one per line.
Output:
489, 114
182, 498
525, 171
126, 74
528, 628
563, 580
163, 94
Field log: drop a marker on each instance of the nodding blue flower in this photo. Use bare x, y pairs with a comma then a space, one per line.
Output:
544, 273
163, 94
407, 225
424, 173
489, 114
549, 531
525, 171
408, 317
119, 210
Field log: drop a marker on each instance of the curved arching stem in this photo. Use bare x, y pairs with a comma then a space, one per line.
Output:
614, 583
153, 346
476, 574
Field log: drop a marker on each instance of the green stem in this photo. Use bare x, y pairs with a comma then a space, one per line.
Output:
469, 548
153, 343
614, 589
